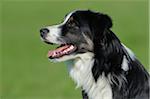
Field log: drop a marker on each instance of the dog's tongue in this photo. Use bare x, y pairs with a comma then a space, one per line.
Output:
60, 51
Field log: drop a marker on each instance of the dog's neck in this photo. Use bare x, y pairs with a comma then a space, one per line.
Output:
80, 66
80, 70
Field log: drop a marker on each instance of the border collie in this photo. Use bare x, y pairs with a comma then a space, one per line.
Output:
98, 62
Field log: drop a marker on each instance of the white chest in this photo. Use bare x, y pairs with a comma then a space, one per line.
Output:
81, 72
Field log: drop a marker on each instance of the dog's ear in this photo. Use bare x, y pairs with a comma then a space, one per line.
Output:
101, 23
105, 21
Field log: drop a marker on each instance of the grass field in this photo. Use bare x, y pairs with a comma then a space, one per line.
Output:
26, 71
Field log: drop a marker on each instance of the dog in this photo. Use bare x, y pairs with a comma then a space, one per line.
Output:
102, 66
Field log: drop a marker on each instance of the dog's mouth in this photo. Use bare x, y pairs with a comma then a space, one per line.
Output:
62, 50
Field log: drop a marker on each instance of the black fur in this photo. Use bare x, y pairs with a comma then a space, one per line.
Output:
109, 53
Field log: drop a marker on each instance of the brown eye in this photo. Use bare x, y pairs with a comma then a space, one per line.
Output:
75, 26
72, 24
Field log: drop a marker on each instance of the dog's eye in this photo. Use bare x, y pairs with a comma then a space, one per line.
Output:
72, 24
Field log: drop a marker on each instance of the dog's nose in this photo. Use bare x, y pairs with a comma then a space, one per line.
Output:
43, 32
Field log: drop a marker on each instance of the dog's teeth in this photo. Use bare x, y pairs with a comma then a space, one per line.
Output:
60, 53
54, 54
64, 51
68, 49
71, 47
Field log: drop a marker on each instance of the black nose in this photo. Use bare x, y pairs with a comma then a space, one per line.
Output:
43, 32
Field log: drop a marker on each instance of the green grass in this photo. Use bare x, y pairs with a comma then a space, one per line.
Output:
27, 73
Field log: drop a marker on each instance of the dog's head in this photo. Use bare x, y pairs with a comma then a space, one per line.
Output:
79, 33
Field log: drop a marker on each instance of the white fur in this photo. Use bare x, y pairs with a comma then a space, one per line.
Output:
131, 54
80, 71
55, 31
54, 34
80, 67
89, 44
67, 17
124, 65
118, 80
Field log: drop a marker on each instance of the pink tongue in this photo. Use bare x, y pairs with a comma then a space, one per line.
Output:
53, 52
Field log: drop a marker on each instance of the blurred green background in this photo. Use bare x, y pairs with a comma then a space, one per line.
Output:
26, 71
